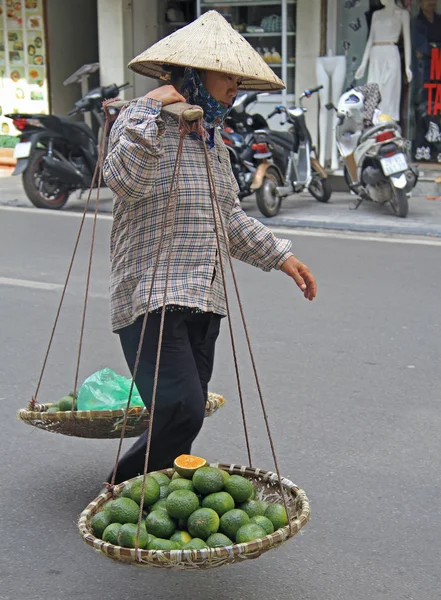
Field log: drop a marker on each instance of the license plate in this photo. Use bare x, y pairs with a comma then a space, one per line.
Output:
22, 150
394, 164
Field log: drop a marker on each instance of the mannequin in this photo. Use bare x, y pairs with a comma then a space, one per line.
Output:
331, 74
384, 59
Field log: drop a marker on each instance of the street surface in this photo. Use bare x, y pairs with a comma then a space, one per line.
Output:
352, 389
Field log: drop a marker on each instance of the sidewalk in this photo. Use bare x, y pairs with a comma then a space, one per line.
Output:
299, 210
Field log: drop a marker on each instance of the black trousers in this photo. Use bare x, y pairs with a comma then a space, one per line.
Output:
186, 365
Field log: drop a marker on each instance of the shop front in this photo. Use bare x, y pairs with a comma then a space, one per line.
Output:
39, 49
397, 45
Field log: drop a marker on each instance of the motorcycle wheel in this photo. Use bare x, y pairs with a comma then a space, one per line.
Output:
320, 188
399, 202
49, 193
267, 199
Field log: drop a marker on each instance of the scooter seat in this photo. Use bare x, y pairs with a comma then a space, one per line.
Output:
79, 125
283, 138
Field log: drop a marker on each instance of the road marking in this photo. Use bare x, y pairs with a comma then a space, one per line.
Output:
42, 285
366, 237
389, 238
38, 285
53, 213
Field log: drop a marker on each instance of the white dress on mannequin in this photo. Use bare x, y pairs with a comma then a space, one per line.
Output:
383, 56
331, 74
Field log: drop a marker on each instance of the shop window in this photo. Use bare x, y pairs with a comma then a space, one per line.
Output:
417, 105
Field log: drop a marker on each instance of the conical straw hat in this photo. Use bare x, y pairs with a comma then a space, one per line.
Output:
208, 43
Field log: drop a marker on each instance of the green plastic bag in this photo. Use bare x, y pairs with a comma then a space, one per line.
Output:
106, 390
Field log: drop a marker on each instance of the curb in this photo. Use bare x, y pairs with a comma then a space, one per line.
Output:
339, 226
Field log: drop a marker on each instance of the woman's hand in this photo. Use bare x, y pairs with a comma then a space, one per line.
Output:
301, 275
166, 94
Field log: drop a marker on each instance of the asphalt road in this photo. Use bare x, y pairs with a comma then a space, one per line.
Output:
351, 382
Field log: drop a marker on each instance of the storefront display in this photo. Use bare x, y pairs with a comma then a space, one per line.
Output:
269, 26
23, 76
402, 53
425, 100
331, 74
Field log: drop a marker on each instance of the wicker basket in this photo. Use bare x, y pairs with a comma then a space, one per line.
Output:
99, 424
268, 488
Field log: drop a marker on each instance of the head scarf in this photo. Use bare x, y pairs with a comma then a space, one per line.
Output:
194, 92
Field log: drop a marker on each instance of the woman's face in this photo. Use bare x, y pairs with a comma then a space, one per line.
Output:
221, 86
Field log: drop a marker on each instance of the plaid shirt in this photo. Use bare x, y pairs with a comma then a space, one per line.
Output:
138, 169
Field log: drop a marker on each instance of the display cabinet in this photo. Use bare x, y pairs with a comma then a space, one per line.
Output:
269, 26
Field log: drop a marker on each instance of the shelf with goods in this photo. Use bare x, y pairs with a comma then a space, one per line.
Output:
175, 14
270, 27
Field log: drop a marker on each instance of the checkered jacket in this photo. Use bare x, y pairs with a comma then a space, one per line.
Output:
138, 169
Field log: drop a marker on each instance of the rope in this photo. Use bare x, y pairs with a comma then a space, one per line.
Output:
100, 163
215, 203
98, 166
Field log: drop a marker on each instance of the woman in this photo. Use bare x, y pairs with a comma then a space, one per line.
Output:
139, 168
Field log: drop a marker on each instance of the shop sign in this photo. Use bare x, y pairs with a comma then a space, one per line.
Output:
23, 74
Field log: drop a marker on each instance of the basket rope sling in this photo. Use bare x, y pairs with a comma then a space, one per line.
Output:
270, 486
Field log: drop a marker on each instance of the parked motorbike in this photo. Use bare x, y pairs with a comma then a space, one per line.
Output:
57, 155
375, 155
239, 120
288, 161
242, 157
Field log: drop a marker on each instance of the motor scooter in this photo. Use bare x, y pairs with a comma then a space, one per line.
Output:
375, 154
288, 161
57, 155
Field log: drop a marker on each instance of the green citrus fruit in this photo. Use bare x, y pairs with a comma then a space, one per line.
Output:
263, 522
164, 491
107, 505
65, 403
181, 503
151, 490
203, 522
254, 507
161, 504
276, 513
221, 502
161, 478
225, 475
110, 534
127, 536
195, 544
181, 538
180, 484
239, 487
160, 524
249, 533
99, 522
123, 510
208, 480
232, 521
218, 540
162, 544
